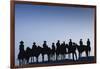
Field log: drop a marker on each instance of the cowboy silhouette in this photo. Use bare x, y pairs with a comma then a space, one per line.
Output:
45, 44
58, 49
34, 46
53, 50
63, 50
45, 49
21, 55
34, 50
70, 42
88, 48
58, 44
21, 46
53, 46
81, 42
88, 42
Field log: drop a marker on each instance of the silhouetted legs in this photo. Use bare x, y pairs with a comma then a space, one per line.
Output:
23, 61
37, 59
27, 61
73, 56
86, 53
62, 56
20, 62
32, 59
69, 56
42, 57
80, 54
48, 58
76, 55
56, 57
52, 57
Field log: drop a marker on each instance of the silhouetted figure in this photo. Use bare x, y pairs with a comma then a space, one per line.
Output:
46, 50
81, 48
88, 42
34, 50
49, 53
71, 48
28, 54
70, 42
21, 55
81, 42
63, 50
84, 48
66, 45
39, 49
74, 51
88, 47
53, 51
58, 49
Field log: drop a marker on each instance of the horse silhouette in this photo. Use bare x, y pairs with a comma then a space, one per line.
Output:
63, 50
72, 50
53, 52
37, 53
84, 48
60, 50
21, 54
34, 50
28, 54
57, 50
45, 51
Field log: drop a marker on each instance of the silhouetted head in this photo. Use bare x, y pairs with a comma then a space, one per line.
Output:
74, 43
53, 43
70, 40
27, 48
80, 39
58, 41
45, 42
39, 47
21, 42
88, 39
34, 43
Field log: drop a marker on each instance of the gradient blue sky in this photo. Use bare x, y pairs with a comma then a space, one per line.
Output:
51, 23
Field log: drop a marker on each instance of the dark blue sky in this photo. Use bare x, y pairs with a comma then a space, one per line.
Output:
51, 23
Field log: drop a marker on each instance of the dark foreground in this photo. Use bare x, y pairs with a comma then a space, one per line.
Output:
82, 60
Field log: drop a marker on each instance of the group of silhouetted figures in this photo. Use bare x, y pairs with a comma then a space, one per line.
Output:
58, 50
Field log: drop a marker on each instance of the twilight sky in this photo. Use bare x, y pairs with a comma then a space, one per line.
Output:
51, 23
